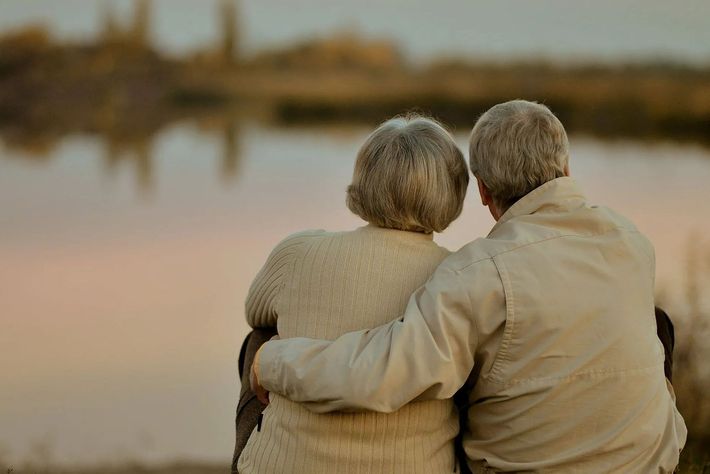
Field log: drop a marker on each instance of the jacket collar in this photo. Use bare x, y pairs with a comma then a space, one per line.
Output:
558, 195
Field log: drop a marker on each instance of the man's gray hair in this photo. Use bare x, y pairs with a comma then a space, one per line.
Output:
515, 147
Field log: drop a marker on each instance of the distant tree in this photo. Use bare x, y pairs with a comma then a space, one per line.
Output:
140, 34
110, 29
230, 25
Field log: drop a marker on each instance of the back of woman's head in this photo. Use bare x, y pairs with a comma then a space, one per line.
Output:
409, 175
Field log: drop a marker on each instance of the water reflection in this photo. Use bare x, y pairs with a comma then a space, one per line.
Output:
133, 145
114, 303
139, 153
227, 128
230, 160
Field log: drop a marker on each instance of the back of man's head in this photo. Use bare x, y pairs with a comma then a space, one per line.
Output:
515, 147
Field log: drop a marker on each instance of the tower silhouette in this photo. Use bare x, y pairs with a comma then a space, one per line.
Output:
140, 32
110, 29
229, 19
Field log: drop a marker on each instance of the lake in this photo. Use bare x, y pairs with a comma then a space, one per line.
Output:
123, 272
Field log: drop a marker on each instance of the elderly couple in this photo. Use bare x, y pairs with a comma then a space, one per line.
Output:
544, 329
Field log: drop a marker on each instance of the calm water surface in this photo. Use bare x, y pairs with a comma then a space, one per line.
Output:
123, 276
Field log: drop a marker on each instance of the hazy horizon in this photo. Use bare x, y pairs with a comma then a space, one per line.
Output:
557, 30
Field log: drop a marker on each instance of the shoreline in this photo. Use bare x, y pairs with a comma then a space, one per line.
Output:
121, 88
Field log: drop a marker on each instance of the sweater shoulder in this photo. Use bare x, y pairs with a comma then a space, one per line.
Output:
298, 239
299, 243
289, 248
305, 235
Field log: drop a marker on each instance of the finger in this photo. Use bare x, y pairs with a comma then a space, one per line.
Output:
252, 380
263, 396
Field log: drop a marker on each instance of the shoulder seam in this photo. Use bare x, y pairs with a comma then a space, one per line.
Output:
470, 264
491, 257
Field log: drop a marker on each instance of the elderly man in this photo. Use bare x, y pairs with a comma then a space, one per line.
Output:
547, 323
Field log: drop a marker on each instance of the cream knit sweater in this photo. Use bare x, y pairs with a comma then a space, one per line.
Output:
320, 284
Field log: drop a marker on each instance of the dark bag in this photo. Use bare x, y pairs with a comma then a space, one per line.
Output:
666, 334
249, 408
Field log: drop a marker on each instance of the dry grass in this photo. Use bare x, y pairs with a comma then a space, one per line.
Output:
691, 379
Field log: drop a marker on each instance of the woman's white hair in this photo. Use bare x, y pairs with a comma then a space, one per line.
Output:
515, 147
409, 175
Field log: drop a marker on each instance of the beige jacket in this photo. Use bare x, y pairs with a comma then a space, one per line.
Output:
549, 321
321, 285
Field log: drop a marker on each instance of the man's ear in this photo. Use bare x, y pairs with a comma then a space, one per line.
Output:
567, 169
483, 191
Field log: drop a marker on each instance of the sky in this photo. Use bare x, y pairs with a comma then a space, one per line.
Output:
561, 30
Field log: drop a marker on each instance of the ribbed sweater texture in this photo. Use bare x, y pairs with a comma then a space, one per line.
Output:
321, 285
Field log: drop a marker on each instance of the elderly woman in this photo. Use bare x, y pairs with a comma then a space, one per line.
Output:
409, 181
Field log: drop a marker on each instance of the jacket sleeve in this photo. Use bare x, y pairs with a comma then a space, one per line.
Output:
426, 354
266, 289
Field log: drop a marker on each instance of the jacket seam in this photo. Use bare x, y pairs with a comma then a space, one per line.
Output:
502, 356
491, 257
471, 312
585, 374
